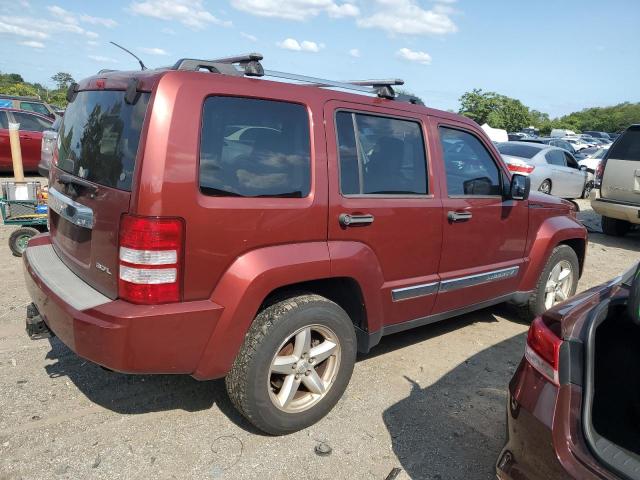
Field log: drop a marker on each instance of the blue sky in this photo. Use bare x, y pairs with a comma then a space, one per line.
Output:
556, 56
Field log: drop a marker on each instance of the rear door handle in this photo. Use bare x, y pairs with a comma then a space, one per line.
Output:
347, 220
459, 216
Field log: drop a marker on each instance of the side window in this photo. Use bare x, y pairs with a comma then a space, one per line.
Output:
34, 107
555, 157
31, 123
380, 155
470, 168
3, 120
571, 162
254, 148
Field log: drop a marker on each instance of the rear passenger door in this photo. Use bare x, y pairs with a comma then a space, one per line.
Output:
383, 200
559, 175
484, 235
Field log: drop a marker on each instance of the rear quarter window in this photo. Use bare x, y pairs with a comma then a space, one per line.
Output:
254, 148
627, 147
522, 151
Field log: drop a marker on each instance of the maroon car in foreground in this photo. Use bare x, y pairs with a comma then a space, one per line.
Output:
573, 407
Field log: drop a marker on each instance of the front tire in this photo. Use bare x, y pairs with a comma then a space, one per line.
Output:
294, 365
557, 282
615, 227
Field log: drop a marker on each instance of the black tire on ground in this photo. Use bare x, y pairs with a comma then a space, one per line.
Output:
615, 227
536, 305
19, 238
248, 383
545, 187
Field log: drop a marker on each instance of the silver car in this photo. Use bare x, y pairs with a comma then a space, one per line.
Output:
552, 170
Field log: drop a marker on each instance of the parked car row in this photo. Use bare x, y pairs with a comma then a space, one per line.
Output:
32, 128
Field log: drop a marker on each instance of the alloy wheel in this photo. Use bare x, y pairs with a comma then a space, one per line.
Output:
559, 283
304, 368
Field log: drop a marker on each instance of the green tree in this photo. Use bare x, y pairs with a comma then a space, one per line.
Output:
63, 80
499, 111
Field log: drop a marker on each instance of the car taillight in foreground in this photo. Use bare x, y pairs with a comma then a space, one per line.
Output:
151, 251
543, 350
522, 168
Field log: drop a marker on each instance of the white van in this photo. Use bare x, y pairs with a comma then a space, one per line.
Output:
561, 133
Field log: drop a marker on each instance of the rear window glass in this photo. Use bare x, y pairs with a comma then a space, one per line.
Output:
254, 148
99, 137
627, 147
522, 151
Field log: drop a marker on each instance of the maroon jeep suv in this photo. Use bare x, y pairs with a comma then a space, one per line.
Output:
207, 221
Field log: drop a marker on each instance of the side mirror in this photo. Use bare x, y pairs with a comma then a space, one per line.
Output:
520, 187
583, 168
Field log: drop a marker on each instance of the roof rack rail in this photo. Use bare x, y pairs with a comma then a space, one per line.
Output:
249, 65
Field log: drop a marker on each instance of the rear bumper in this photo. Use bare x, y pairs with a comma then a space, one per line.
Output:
129, 338
613, 209
544, 437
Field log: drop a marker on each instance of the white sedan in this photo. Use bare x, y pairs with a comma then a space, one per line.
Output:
552, 170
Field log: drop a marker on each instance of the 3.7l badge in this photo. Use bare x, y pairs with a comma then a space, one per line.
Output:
102, 268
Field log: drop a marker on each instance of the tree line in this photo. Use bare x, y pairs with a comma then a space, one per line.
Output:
14, 84
510, 114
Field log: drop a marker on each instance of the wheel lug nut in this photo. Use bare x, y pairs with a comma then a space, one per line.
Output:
313, 360
307, 373
297, 376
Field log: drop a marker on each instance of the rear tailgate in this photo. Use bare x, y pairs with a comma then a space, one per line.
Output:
90, 187
621, 179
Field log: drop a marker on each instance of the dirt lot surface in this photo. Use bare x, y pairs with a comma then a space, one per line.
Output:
430, 401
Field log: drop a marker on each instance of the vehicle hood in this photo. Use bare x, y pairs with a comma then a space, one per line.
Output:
542, 200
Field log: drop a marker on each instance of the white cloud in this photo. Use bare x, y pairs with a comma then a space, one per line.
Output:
100, 58
190, 13
296, 9
354, 52
168, 31
305, 45
412, 56
92, 43
75, 19
154, 51
39, 28
32, 44
407, 17
248, 36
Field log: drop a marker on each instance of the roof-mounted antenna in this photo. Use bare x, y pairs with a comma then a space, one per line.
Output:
142, 67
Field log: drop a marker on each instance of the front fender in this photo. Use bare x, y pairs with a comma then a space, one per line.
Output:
551, 232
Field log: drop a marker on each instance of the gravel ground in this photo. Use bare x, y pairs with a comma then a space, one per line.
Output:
430, 401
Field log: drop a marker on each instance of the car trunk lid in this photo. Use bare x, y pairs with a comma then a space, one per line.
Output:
90, 187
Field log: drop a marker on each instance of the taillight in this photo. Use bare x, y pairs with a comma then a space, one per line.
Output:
543, 350
600, 173
523, 168
151, 251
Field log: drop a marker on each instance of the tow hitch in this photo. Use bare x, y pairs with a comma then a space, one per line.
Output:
36, 328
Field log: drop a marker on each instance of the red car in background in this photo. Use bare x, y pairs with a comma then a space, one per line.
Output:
31, 127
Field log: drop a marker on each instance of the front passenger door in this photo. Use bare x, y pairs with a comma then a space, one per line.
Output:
577, 178
484, 235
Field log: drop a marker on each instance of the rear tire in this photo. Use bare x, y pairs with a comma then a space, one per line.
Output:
260, 378
19, 238
563, 257
545, 187
615, 227
587, 190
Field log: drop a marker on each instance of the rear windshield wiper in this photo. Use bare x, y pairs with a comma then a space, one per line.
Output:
68, 179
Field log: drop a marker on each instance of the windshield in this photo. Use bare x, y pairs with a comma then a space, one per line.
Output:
99, 137
517, 150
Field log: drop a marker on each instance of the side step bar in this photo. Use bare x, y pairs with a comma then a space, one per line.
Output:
36, 327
